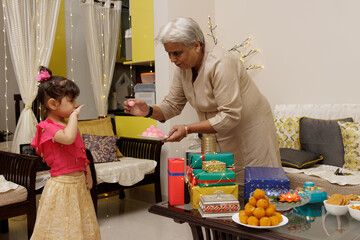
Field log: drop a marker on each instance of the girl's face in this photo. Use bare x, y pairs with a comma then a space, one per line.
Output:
184, 57
66, 106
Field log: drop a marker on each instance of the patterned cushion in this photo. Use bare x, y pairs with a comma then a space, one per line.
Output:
103, 148
98, 127
287, 130
350, 132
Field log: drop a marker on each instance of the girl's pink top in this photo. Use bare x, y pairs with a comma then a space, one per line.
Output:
59, 157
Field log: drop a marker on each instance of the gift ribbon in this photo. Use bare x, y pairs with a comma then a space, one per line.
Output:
175, 174
215, 181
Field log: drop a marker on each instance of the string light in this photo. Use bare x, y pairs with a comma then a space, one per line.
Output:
6, 82
239, 48
71, 43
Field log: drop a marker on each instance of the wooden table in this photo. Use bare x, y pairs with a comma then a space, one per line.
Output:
213, 228
307, 222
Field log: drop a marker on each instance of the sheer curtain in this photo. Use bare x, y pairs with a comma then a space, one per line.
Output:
30, 27
102, 34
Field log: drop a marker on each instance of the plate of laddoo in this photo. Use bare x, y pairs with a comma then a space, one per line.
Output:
260, 213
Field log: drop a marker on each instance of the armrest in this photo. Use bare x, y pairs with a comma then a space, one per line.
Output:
141, 148
20, 169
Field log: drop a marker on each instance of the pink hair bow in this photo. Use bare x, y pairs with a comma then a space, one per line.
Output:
43, 76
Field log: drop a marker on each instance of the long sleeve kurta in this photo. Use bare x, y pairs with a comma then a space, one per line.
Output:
224, 94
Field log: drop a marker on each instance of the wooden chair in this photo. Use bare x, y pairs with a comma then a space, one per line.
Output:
20, 169
135, 148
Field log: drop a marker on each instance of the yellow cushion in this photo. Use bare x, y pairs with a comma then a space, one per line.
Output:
98, 127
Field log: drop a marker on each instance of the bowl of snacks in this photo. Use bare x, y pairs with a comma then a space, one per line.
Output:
354, 210
354, 199
335, 205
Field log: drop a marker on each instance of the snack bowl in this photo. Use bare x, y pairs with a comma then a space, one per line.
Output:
336, 210
355, 213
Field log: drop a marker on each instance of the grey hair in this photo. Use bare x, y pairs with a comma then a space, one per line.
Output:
181, 30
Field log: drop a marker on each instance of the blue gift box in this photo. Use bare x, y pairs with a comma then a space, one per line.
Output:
264, 178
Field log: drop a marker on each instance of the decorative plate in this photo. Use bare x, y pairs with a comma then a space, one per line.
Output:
153, 138
284, 206
235, 218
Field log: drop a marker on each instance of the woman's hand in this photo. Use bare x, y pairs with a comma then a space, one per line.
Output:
176, 134
136, 107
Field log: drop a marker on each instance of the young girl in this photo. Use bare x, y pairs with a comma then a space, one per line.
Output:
66, 210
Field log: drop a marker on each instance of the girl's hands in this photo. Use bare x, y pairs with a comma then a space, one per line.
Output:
76, 112
176, 134
136, 107
88, 179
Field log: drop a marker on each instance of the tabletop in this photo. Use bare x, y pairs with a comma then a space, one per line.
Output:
310, 221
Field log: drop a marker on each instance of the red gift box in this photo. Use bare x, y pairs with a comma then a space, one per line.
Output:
176, 189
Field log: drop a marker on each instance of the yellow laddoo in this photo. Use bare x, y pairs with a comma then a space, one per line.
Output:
259, 194
259, 212
274, 220
265, 221
254, 221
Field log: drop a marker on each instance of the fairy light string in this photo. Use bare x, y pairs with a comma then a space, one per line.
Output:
7, 132
238, 48
71, 43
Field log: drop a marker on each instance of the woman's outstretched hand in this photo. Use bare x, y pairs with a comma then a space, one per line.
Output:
136, 107
176, 134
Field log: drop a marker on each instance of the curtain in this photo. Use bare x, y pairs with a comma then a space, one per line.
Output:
102, 35
30, 28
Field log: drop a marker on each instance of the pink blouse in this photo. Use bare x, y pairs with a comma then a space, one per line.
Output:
59, 157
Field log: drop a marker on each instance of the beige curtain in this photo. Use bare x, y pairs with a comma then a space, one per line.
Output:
30, 28
102, 35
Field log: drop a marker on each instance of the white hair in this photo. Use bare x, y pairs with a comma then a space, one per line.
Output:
181, 30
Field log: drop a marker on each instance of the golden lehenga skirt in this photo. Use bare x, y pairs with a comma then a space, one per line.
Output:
66, 211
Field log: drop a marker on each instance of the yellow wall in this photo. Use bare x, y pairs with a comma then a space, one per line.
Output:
129, 126
58, 58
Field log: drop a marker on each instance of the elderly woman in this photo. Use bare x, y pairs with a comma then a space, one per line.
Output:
228, 103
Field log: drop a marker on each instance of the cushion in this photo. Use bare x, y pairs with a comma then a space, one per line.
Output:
287, 130
13, 196
98, 127
298, 158
323, 137
103, 148
350, 132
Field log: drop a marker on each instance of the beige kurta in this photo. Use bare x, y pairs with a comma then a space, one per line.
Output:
224, 94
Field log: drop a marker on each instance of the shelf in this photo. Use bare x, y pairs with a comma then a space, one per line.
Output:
144, 63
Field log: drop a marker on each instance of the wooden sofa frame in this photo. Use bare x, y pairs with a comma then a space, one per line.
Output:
136, 148
20, 169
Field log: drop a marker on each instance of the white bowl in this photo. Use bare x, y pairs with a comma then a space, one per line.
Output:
336, 210
354, 212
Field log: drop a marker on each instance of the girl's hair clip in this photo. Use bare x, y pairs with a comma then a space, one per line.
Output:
43, 76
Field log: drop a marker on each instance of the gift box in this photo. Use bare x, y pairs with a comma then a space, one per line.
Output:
218, 205
213, 166
176, 189
196, 192
205, 179
264, 178
196, 159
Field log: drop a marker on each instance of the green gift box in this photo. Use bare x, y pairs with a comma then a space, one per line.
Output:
196, 159
205, 179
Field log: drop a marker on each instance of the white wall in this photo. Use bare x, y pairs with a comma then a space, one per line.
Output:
309, 48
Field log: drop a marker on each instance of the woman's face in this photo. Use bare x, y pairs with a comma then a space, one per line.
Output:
184, 57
